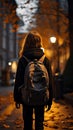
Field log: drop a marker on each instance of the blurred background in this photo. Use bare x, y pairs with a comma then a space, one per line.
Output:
53, 20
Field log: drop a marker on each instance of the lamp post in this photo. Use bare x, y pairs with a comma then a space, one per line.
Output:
58, 79
58, 33
53, 40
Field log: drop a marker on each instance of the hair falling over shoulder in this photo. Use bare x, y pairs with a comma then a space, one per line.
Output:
31, 41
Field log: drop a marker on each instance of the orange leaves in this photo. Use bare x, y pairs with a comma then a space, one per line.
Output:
8, 13
6, 126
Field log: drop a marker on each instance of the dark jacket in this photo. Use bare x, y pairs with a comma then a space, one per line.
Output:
37, 54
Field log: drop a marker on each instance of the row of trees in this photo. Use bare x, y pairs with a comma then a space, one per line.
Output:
50, 17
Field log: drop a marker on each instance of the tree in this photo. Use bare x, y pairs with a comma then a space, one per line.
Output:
53, 21
8, 13
47, 12
50, 19
68, 73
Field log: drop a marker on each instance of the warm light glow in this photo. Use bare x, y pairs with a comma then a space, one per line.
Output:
60, 41
53, 39
9, 63
42, 49
14, 66
48, 53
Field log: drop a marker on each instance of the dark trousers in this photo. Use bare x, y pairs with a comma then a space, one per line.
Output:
28, 117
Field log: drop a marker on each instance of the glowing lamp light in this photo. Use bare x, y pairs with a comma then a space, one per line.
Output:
14, 66
53, 39
9, 63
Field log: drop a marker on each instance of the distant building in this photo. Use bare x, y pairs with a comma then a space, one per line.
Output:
8, 46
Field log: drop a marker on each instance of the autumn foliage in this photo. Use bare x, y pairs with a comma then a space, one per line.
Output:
8, 12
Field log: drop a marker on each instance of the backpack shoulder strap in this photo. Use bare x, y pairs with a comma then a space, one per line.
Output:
26, 58
42, 58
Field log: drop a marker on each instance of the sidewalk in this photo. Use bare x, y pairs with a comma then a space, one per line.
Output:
60, 116
5, 90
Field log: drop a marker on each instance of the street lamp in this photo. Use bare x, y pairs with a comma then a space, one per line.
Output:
58, 79
53, 39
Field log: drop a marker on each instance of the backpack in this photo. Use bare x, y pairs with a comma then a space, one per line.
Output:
35, 90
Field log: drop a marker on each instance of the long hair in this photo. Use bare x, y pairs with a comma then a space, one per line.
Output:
32, 40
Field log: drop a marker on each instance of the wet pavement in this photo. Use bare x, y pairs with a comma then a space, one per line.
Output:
60, 116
